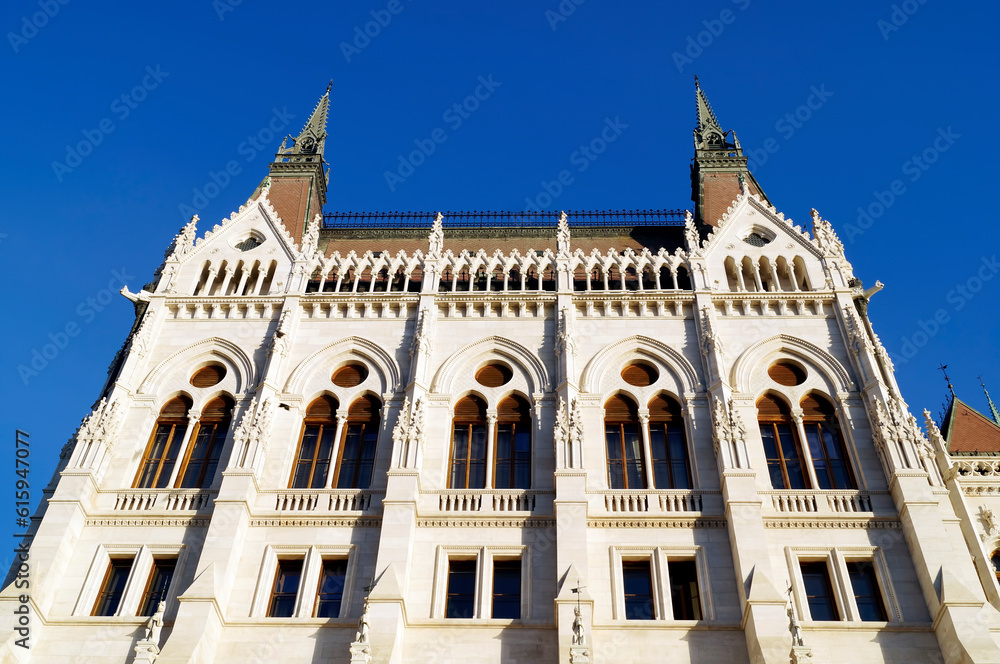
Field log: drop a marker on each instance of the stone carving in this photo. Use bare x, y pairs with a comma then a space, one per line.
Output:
563, 237
989, 519
421, 337
98, 428
561, 432
436, 238
691, 233
184, 240
893, 427
143, 337
408, 434
565, 342
859, 343
579, 638
142, 296
361, 636
253, 431
729, 434
575, 435
154, 625
826, 237
310, 239
709, 335
279, 340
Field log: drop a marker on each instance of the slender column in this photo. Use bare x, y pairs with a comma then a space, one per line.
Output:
182, 450
646, 447
335, 452
807, 459
227, 277
491, 429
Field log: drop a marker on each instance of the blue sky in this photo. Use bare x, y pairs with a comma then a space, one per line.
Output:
160, 97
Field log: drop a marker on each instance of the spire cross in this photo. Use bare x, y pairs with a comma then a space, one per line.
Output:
944, 370
993, 409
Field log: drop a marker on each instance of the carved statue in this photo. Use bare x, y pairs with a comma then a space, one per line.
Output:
578, 633
794, 619
155, 624
691, 232
989, 519
361, 636
141, 296
436, 239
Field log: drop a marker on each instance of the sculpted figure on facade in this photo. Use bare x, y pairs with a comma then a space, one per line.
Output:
436, 238
825, 236
253, 432
579, 635
310, 240
561, 433
729, 434
154, 625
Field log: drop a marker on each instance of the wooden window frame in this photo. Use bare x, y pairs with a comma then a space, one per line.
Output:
773, 421
831, 423
319, 585
469, 426
673, 422
145, 597
525, 423
115, 562
376, 422
274, 583
221, 424
173, 422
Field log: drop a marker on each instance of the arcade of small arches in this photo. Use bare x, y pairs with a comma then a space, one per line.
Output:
765, 275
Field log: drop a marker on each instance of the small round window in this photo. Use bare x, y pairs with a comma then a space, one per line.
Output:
787, 374
640, 374
350, 375
208, 376
494, 374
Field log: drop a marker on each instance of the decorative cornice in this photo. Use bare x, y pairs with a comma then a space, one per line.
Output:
486, 522
185, 522
319, 521
677, 522
835, 523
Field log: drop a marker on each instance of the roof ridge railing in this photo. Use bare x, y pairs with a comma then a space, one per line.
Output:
508, 219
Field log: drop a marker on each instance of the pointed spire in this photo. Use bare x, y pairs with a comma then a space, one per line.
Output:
706, 117
313, 135
993, 409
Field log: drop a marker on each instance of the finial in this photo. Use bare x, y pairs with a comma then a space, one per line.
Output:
993, 409
696, 84
944, 370
328, 86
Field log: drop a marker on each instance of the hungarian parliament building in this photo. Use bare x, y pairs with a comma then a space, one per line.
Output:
618, 436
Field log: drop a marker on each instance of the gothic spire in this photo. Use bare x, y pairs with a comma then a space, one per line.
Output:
313, 135
993, 408
720, 171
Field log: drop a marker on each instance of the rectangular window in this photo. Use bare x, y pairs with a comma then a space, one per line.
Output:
513, 456
783, 460
357, 456
670, 469
113, 587
156, 588
625, 463
507, 589
638, 585
684, 594
468, 459
286, 589
203, 457
819, 591
330, 594
161, 455
461, 589
313, 462
866, 590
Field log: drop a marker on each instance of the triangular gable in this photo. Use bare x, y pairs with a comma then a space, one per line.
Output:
257, 215
748, 211
968, 430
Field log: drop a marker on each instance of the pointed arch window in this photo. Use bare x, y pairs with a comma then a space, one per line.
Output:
312, 461
826, 444
357, 450
164, 445
468, 446
668, 447
626, 468
781, 444
207, 440
513, 444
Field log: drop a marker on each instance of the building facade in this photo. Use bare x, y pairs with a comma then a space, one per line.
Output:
581, 437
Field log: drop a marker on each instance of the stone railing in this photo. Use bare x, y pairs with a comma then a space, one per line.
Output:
322, 500
819, 502
163, 500
485, 500
648, 502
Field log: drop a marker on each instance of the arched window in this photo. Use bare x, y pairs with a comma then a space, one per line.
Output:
164, 445
781, 444
826, 444
513, 444
624, 444
205, 449
668, 449
312, 463
468, 446
357, 450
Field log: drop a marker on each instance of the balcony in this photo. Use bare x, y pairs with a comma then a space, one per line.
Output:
481, 501
819, 502
319, 501
163, 500
646, 502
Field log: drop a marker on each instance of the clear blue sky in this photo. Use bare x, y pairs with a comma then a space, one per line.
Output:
888, 95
